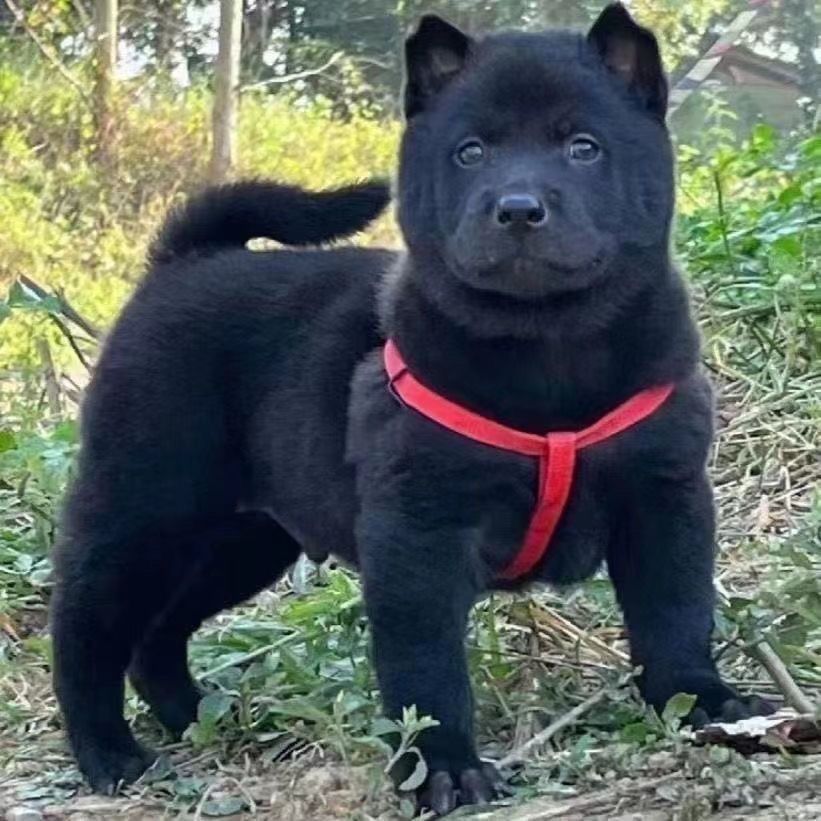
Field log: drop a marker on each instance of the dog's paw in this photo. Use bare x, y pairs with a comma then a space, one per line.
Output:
109, 769
715, 700
444, 791
732, 709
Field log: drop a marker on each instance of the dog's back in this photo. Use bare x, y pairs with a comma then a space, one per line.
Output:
213, 331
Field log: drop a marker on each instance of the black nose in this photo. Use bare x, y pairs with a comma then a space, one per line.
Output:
520, 209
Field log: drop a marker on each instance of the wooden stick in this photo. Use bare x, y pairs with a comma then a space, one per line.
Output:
770, 660
50, 375
519, 755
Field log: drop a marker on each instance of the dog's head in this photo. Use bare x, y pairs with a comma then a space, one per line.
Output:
532, 163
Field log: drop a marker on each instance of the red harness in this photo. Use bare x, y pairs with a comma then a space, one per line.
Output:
556, 451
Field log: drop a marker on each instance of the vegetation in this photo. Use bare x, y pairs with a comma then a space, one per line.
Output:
348, 51
291, 722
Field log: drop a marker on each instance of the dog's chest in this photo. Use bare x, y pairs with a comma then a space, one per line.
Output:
404, 458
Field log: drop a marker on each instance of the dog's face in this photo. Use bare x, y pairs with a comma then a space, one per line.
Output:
532, 163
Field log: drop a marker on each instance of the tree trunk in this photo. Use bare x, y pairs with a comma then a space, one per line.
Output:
105, 62
800, 24
168, 35
290, 56
225, 90
258, 23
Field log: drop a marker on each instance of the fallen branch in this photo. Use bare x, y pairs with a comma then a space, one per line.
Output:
519, 755
770, 660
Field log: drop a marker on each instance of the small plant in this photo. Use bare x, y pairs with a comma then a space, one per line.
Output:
406, 732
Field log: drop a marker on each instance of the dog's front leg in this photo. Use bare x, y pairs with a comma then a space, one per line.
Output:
420, 583
662, 567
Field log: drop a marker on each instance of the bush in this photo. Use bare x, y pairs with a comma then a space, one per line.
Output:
68, 226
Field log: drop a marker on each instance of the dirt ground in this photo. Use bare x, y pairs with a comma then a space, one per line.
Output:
312, 788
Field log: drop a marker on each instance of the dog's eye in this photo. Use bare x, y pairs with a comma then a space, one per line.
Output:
583, 149
470, 153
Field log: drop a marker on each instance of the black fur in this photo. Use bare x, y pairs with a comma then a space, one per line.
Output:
232, 214
239, 413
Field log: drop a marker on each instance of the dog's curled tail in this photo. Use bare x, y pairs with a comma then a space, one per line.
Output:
229, 215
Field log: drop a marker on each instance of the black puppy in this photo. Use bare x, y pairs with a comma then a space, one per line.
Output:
241, 414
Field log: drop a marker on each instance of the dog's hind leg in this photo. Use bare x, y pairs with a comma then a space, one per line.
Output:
230, 573
109, 592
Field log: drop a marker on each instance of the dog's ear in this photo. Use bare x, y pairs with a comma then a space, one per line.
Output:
631, 51
434, 54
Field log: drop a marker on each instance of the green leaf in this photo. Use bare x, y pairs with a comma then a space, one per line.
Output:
160, 770
5, 310
200, 734
763, 137
719, 755
20, 297
800, 559
299, 708
407, 808
811, 148
221, 807
678, 707
7, 440
37, 792
790, 194
188, 788
66, 431
635, 733
213, 707
788, 245
384, 726
420, 772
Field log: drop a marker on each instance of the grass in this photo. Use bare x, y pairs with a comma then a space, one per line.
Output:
291, 728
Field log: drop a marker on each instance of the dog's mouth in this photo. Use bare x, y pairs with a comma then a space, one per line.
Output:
527, 265
527, 276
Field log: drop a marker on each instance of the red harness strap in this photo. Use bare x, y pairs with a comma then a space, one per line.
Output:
556, 451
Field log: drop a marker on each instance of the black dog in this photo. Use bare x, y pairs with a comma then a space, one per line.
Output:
240, 413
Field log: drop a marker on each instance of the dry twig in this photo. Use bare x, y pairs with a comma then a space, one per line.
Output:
770, 660
519, 755
50, 376
66, 309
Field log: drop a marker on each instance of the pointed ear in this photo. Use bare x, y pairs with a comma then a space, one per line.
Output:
631, 51
434, 54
